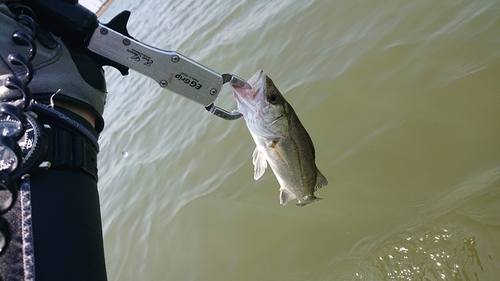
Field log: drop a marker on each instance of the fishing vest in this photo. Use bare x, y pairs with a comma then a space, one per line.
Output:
62, 72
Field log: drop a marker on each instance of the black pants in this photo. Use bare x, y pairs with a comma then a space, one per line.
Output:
66, 228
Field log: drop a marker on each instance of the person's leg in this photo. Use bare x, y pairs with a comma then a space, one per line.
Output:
67, 226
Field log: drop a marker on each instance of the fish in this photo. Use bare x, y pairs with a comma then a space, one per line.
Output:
281, 140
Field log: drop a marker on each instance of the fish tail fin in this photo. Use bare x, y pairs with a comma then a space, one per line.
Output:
320, 180
305, 203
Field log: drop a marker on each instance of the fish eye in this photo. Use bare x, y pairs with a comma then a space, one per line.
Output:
273, 97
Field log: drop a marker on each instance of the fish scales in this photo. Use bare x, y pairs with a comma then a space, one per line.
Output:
281, 140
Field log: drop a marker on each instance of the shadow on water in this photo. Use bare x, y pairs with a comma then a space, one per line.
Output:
437, 254
452, 240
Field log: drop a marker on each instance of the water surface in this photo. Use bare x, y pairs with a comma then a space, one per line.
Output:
401, 99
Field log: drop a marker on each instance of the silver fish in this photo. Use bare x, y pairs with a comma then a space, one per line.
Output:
281, 140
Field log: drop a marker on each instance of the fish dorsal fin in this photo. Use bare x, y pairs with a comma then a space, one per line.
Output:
285, 197
320, 180
259, 163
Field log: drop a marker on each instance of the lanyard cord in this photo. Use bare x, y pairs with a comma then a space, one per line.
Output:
12, 107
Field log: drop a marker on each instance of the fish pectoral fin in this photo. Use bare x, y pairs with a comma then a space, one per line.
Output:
320, 180
259, 163
285, 197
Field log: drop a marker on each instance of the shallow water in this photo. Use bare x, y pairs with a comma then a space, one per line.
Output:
401, 99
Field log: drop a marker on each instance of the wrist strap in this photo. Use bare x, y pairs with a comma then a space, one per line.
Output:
66, 151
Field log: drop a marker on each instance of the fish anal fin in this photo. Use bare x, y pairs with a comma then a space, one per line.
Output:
320, 180
285, 197
259, 163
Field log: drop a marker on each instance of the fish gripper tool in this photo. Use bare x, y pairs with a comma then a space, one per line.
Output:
222, 113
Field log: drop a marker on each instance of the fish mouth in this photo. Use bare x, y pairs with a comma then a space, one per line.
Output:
256, 82
256, 77
250, 100
246, 96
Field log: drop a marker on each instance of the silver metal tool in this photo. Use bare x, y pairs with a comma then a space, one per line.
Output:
233, 80
170, 69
